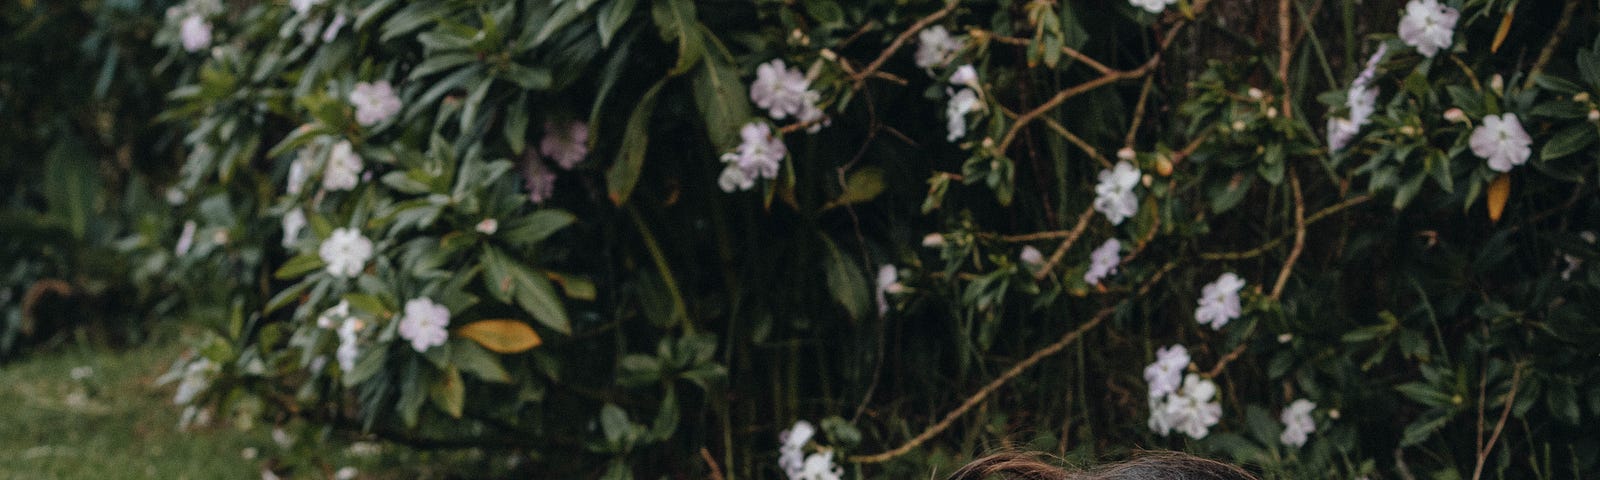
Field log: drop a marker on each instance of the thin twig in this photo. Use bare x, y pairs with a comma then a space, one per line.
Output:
1283, 55
1505, 412
1069, 51
1549, 51
1299, 235
1067, 134
716, 472
983, 393
1072, 237
1314, 218
1138, 112
1226, 359
900, 40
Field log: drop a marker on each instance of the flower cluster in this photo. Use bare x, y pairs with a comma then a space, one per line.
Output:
888, 283
423, 324
348, 328
799, 466
343, 171
1166, 372
1219, 301
1501, 141
785, 92
1191, 409
1428, 26
566, 144
962, 102
936, 47
1361, 100
375, 102
1103, 261
1114, 195
346, 252
1297, 423
1152, 6
194, 28
759, 155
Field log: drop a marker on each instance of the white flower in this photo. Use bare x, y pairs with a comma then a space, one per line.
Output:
196, 377
566, 144
1103, 261
538, 179
423, 324
933, 240
1166, 372
1031, 256
343, 171
1428, 26
935, 46
1152, 6
346, 473
1340, 132
82, 372
888, 283
1190, 410
293, 222
759, 155
333, 316
488, 226
303, 6
346, 252
176, 196
186, 238
1573, 262
195, 33
962, 103
1219, 301
349, 343
733, 179
782, 91
818, 466
300, 170
1297, 423
1114, 195
791, 458
966, 76
1501, 141
375, 102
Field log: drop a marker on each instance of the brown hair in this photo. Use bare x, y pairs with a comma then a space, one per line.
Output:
1145, 466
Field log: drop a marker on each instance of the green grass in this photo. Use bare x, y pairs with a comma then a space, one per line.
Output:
113, 424
118, 424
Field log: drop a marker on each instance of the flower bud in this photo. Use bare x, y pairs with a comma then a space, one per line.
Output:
1285, 338
1255, 93
1125, 154
1581, 97
1031, 256
1238, 124
1594, 115
488, 226
1408, 131
933, 240
1164, 165
1333, 413
1146, 180
1455, 115
1497, 84
1272, 112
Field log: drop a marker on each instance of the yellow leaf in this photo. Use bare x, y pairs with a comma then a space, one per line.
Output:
501, 335
1499, 191
1500, 35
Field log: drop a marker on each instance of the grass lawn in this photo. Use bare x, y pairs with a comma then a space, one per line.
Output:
113, 422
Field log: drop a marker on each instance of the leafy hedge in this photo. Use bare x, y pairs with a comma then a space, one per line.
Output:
1322, 239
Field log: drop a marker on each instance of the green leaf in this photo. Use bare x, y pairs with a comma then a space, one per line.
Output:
516, 124
610, 20
477, 361
412, 394
565, 13
846, 282
71, 185
505, 278
623, 175
299, 266
861, 186
1568, 141
636, 370
722, 101
675, 20
535, 227
614, 423
448, 393
1424, 394
411, 17
667, 418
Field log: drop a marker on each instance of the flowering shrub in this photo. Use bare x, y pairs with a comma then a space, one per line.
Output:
636, 237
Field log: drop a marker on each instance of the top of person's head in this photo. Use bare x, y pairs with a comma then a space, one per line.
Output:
1145, 466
